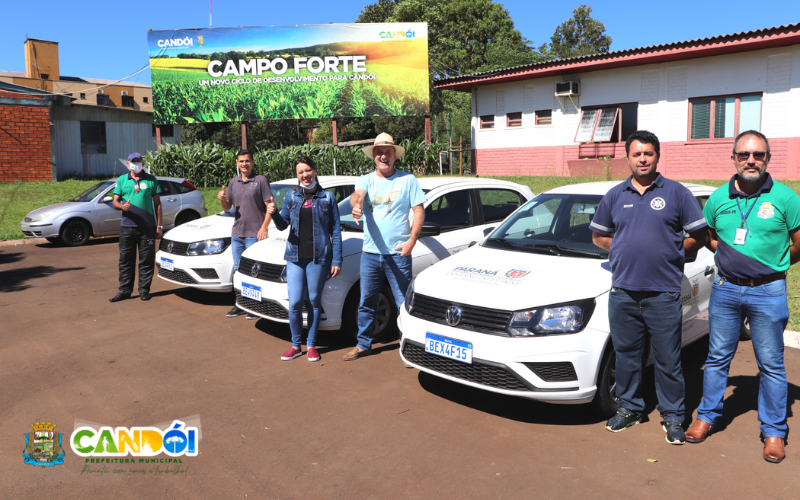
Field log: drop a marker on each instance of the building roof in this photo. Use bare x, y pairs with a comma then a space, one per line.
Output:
779, 36
93, 81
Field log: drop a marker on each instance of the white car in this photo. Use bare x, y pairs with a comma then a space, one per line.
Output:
198, 254
525, 312
458, 212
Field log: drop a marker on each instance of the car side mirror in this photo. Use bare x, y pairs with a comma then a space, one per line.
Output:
107, 199
430, 229
487, 231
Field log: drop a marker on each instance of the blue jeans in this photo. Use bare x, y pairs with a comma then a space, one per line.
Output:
238, 245
373, 267
766, 308
305, 279
633, 316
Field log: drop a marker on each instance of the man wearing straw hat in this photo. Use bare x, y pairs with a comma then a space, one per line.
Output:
384, 200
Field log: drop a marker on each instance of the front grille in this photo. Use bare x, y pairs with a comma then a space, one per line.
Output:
267, 271
554, 372
479, 372
267, 307
177, 275
207, 274
480, 319
177, 247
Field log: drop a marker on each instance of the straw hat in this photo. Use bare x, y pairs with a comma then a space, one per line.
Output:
384, 139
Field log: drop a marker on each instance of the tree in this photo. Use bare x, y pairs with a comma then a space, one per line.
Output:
579, 36
378, 12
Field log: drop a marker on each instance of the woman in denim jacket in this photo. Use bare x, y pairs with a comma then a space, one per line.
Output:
313, 251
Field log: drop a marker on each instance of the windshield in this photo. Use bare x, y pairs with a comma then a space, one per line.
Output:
346, 216
93, 191
551, 223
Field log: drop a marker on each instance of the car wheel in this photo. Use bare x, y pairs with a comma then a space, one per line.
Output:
185, 217
75, 233
605, 400
53, 239
385, 315
745, 333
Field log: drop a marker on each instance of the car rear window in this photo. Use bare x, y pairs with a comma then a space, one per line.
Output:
181, 188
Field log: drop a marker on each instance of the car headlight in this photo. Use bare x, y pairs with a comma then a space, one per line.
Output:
409, 299
562, 318
208, 247
39, 217
282, 277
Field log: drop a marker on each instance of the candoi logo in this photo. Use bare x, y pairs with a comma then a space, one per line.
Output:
176, 42
177, 440
398, 34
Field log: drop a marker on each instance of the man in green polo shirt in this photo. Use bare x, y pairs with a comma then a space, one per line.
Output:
754, 224
137, 195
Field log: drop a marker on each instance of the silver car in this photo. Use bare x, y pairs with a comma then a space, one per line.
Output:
91, 213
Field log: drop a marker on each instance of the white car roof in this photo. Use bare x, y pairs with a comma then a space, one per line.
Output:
325, 180
436, 182
602, 187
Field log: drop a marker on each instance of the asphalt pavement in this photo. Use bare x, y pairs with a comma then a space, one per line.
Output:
364, 429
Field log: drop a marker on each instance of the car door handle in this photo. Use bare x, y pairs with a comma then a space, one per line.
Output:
170, 199
709, 271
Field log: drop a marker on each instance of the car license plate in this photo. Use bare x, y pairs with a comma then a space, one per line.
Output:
167, 264
251, 291
448, 348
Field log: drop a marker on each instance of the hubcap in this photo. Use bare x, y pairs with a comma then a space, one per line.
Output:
382, 313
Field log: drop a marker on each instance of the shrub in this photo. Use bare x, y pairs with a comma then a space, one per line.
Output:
208, 164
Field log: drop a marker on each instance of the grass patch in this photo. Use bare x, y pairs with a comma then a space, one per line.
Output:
17, 199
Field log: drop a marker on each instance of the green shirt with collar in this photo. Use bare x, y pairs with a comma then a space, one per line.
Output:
771, 214
142, 213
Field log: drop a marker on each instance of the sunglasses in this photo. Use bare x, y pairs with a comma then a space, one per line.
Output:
745, 155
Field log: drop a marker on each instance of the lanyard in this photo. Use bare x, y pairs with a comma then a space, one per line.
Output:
745, 216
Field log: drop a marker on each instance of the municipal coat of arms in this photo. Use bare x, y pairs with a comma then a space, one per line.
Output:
43, 446
517, 273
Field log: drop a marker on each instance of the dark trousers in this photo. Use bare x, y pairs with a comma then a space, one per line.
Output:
633, 316
129, 239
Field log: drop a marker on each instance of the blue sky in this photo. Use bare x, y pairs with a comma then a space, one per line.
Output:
106, 40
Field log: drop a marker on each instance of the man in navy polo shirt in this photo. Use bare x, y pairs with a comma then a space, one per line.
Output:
641, 223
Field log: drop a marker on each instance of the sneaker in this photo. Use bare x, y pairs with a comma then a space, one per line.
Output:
235, 312
252, 316
291, 354
622, 420
312, 354
675, 434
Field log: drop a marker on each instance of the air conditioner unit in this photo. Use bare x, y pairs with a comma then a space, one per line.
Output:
100, 91
568, 89
124, 92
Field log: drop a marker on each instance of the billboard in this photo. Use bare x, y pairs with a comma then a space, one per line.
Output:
289, 72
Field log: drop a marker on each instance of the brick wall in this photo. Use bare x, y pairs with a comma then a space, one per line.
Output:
24, 142
679, 160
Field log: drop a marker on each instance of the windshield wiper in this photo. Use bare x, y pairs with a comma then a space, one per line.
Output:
558, 249
504, 242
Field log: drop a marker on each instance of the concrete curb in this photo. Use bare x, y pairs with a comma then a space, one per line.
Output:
26, 241
791, 339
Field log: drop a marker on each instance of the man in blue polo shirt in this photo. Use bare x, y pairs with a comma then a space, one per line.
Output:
641, 223
754, 224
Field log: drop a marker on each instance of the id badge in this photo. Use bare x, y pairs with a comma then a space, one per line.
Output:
741, 233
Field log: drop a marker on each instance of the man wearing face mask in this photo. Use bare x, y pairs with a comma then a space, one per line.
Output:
137, 194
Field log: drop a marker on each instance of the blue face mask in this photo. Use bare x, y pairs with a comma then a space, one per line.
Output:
311, 186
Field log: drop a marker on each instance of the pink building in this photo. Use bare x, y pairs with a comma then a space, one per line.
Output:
572, 116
